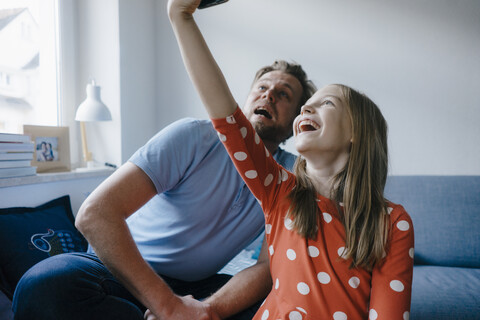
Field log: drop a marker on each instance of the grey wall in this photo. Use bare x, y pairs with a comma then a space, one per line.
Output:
418, 60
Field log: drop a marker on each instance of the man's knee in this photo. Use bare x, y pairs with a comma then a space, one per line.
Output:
72, 286
50, 284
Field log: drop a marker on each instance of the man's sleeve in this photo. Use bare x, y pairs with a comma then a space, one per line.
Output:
166, 157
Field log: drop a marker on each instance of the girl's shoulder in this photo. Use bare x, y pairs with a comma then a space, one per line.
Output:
397, 212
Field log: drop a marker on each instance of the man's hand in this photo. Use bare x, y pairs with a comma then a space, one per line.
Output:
187, 309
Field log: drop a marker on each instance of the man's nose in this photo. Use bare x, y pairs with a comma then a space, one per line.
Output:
270, 95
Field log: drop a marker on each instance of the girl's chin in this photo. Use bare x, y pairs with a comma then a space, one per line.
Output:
301, 147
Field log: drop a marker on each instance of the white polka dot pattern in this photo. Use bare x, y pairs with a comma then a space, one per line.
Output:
354, 282
339, 316
313, 251
295, 315
323, 277
231, 119
243, 131
251, 174
222, 137
301, 310
268, 228
303, 288
268, 180
297, 286
342, 253
240, 156
288, 223
291, 254
403, 225
327, 217
265, 315
397, 285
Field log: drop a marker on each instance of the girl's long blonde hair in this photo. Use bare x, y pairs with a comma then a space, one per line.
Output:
357, 188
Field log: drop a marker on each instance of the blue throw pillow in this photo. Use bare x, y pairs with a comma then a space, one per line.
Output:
29, 235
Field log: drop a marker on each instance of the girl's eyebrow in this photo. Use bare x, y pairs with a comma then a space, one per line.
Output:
331, 96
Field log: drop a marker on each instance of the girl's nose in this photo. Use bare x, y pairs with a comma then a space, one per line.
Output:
306, 109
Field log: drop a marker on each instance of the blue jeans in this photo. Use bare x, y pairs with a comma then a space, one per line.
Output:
78, 286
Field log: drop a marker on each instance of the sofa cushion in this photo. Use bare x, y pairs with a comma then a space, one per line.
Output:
446, 216
29, 235
445, 293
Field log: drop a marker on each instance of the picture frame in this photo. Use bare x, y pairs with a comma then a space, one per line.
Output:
52, 147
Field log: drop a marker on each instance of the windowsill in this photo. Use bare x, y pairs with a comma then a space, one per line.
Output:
56, 176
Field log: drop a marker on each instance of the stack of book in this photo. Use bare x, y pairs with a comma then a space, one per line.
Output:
16, 154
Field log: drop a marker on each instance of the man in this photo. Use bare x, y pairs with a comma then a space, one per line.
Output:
167, 220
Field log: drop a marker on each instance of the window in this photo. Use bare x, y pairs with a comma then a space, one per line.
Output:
28, 64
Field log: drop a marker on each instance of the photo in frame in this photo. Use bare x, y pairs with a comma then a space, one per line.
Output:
52, 148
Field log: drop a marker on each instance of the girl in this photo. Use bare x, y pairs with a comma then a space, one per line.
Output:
338, 249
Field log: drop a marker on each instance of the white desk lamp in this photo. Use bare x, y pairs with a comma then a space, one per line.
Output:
92, 109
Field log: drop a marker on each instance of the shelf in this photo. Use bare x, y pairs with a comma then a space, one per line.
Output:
56, 176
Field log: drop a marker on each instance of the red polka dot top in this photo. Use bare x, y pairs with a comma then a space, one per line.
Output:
311, 279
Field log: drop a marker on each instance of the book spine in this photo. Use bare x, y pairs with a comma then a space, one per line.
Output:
14, 163
13, 137
17, 147
16, 156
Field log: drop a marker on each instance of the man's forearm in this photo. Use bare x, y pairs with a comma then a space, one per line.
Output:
113, 244
101, 219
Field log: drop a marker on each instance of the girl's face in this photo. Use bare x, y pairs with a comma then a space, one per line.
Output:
324, 125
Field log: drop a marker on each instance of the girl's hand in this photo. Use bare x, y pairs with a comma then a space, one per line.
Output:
184, 8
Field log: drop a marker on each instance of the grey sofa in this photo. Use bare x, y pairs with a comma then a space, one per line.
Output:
446, 217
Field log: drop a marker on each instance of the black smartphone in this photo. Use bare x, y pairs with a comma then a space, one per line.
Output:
208, 3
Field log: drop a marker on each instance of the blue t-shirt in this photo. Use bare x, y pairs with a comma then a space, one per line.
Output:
203, 213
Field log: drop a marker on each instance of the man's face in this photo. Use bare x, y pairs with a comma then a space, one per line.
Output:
273, 104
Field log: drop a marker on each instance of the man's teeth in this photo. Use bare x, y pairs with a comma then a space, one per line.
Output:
264, 113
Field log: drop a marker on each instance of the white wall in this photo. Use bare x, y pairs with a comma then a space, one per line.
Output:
419, 60
138, 86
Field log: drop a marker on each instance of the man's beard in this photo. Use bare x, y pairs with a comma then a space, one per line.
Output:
272, 133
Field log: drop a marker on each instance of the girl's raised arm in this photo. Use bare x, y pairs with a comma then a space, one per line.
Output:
199, 62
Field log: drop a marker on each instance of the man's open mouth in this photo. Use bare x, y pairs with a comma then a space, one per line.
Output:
263, 112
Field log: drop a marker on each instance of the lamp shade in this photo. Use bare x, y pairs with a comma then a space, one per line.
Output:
93, 109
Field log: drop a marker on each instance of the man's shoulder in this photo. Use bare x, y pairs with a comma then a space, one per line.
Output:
184, 129
285, 158
191, 123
